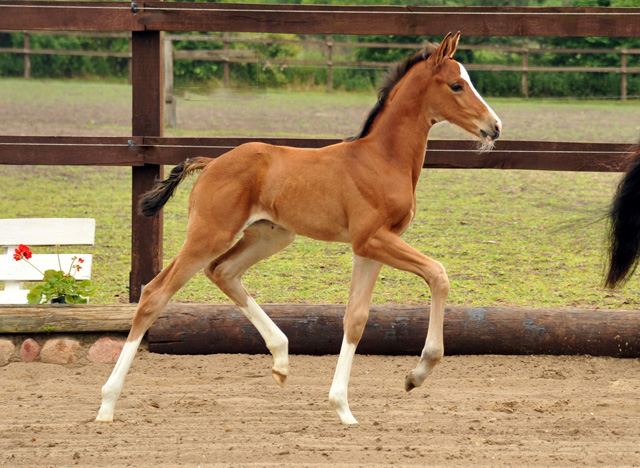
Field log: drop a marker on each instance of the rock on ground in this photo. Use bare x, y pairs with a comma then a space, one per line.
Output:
60, 351
7, 349
30, 350
105, 350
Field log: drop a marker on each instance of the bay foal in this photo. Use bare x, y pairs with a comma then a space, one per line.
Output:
360, 191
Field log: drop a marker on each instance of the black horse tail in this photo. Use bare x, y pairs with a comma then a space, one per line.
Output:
153, 200
624, 227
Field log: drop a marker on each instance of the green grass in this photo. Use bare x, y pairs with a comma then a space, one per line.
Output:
46, 92
512, 238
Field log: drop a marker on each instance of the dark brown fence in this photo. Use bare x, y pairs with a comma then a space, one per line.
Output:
146, 150
327, 45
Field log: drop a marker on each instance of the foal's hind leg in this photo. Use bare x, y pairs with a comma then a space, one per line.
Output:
260, 240
153, 300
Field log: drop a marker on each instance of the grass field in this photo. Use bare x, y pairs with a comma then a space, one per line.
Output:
518, 238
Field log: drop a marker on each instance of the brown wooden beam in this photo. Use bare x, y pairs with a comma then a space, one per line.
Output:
87, 53
393, 330
68, 16
417, 21
321, 19
78, 151
148, 119
457, 154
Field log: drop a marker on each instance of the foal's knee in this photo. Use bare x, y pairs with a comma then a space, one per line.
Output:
227, 278
219, 275
438, 280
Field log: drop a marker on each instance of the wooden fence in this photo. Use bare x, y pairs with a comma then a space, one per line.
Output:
146, 150
327, 45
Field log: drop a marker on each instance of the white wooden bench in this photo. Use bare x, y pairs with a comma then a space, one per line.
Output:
35, 232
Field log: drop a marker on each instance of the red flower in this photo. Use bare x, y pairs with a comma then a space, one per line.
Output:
80, 260
22, 252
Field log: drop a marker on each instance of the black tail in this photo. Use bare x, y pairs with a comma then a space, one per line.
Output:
624, 227
153, 201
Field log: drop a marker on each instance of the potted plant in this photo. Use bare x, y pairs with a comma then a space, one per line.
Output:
57, 286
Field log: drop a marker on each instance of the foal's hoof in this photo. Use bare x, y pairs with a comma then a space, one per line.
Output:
279, 377
409, 384
102, 417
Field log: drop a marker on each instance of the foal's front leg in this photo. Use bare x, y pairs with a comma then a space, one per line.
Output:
363, 279
387, 248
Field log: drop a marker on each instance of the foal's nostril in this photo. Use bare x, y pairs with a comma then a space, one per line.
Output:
498, 129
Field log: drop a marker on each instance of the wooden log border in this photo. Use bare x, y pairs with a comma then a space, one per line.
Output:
77, 318
186, 328
401, 330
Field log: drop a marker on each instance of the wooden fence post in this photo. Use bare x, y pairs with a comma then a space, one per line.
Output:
330, 63
148, 120
130, 62
623, 75
27, 56
225, 47
169, 99
525, 73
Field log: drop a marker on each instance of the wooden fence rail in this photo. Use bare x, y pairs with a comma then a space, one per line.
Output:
451, 154
147, 20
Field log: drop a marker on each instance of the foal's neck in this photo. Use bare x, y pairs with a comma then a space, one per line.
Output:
403, 126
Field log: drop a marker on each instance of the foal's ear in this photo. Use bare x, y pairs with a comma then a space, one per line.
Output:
447, 48
454, 43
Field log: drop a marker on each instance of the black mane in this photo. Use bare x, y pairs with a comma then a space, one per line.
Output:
391, 78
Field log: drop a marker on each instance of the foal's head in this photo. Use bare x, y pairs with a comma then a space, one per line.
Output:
453, 97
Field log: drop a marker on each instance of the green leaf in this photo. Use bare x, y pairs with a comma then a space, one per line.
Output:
75, 299
34, 296
52, 274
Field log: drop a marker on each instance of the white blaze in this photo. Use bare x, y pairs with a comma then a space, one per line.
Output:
465, 76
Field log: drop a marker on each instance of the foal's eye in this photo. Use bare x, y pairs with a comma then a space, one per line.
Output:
455, 87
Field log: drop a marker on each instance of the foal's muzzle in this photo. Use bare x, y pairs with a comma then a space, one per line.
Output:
495, 134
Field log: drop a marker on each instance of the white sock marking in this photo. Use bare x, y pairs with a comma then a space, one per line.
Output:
275, 340
273, 336
340, 385
111, 390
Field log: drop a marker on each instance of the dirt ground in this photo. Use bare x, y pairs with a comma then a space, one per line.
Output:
226, 411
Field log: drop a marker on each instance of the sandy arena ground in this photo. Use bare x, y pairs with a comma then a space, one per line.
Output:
226, 411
